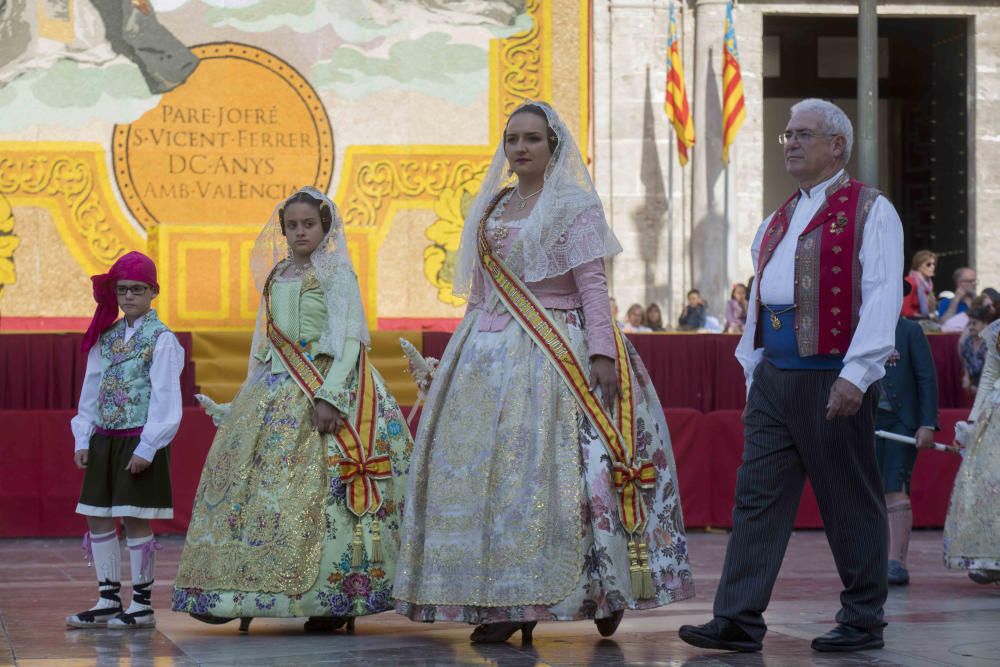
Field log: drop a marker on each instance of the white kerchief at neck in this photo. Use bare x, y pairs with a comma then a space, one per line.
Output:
130, 330
820, 189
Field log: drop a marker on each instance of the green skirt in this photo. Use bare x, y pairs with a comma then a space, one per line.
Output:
270, 532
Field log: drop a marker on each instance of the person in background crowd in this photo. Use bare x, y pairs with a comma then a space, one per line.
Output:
991, 301
635, 320
965, 291
908, 405
654, 318
972, 348
693, 316
987, 300
919, 304
736, 309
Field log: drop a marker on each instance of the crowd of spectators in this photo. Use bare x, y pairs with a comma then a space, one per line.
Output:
964, 310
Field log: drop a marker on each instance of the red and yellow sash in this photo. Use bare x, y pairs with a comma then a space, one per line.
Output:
361, 467
630, 474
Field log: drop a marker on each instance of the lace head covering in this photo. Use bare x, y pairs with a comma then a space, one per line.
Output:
345, 315
569, 229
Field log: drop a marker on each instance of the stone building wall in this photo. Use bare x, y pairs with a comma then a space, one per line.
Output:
689, 228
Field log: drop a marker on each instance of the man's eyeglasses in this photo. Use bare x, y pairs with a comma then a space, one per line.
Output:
801, 136
138, 290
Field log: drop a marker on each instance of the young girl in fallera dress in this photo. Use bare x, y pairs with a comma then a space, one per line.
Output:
299, 505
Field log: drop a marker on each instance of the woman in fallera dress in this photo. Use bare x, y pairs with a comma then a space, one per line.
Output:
971, 531
542, 484
299, 505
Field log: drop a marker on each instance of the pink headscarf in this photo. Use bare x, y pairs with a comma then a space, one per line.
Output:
132, 266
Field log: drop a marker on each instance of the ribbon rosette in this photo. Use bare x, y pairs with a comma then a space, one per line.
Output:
629, 480
359, 474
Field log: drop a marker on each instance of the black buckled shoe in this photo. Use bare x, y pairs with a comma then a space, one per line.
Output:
720, 634
985, 576
844, 638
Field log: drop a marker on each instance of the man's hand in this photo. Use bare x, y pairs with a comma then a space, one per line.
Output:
925, 438
845, 399
603, 375
137, 464
326, 418
80, 457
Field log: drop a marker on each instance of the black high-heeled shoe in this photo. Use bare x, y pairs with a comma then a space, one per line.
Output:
607, 626
211, 620
497, 633
245, 624
329, 624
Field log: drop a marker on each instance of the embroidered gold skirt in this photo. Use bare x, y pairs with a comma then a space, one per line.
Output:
270, 533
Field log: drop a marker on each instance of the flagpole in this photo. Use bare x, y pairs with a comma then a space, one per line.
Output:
725, 226
670, 228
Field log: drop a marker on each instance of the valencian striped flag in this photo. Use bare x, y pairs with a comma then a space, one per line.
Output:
733, 107
676, 102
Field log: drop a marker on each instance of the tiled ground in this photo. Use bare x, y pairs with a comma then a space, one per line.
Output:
942, 618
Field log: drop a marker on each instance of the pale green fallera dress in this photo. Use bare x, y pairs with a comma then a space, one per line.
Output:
270, 533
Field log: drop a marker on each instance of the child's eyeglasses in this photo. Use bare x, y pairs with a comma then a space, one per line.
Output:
138, 290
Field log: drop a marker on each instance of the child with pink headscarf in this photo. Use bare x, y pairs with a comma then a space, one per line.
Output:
129, 411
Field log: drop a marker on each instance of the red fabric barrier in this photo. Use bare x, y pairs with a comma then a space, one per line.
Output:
39, 499
700, 371
45, 371
41, 484
694, 467
931, 484
944, 349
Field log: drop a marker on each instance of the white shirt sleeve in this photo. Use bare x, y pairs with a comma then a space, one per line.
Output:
745, 352
82, 424
165, 408
881, 297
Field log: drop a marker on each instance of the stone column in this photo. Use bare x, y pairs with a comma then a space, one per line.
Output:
867, 135
710, 236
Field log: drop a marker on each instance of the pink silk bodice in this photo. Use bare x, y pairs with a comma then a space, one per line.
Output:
585, 286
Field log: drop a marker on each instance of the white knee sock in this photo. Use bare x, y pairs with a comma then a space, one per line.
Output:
900, 525
107, 558
142, 558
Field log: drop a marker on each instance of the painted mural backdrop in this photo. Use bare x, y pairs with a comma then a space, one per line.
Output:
174, 126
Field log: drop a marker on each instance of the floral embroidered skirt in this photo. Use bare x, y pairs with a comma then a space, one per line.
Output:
511, 509
972, 529
270, 533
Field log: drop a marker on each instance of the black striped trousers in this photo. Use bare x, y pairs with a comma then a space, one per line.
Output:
786, 439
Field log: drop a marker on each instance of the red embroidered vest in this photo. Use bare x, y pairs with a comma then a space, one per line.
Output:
827, 266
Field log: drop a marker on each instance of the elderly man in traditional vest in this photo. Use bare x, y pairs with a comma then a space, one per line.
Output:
827, 295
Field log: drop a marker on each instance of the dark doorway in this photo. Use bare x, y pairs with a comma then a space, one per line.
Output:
923, 87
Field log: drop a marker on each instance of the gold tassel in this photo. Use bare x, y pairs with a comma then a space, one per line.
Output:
635, 570
359, 546
647, 590
376, 542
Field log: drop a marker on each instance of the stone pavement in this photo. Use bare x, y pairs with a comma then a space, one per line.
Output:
942, 618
